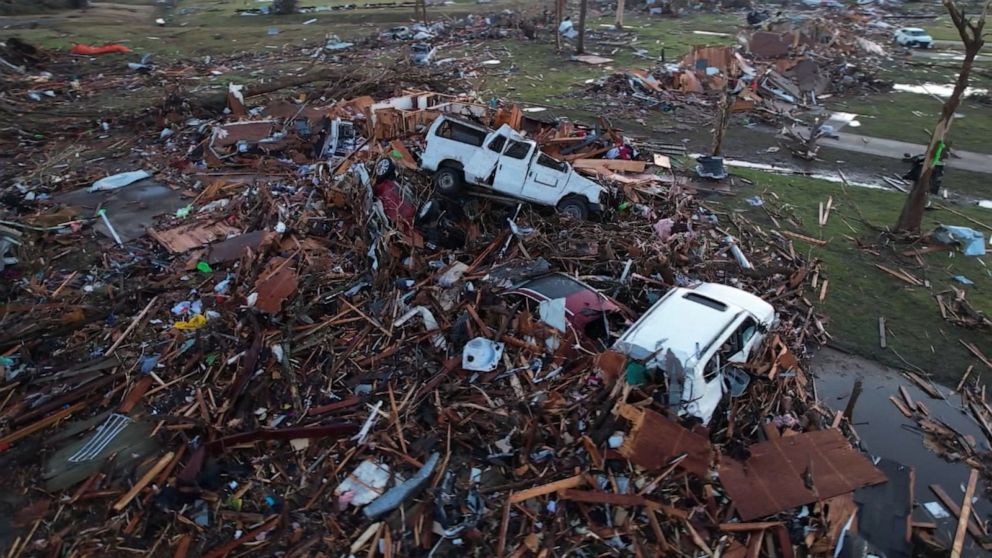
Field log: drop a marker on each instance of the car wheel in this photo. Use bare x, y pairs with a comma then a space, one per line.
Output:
384, 169
448, 181
575, 208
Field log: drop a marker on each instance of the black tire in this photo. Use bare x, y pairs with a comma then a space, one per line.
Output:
575, 208
385, 169
448, 181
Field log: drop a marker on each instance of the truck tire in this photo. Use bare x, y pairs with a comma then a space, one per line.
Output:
448, 181
575, 208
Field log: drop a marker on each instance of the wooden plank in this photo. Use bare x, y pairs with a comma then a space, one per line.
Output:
902, 408
973, 529
617, 165
596, 497
40, 425
754, 526
805, 238
534, 492
881, 332
965, 518
143, 481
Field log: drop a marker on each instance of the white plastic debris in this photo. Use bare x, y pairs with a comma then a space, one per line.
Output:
430, 323
119, 180
366, 483
453, 275
552, 312
482, 355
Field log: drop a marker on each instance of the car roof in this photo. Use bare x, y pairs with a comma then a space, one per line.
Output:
688, 321
914, 29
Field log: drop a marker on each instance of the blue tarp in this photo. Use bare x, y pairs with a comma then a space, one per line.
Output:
972, 241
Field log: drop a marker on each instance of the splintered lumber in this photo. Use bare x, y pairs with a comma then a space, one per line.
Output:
595, 497
964, 518
617, 165
805, 238
744, 527
923, 384
901, 275
40, 425
144, 481
570, 482
973, 528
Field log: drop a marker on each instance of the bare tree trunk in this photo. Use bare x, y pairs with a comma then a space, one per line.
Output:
559, 13
911, 217
580, 47
723, 120
620, 14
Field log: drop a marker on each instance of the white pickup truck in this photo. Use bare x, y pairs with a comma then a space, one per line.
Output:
502, 162
698, 337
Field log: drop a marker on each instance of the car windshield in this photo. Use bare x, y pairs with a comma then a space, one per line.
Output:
916, 32
554, 286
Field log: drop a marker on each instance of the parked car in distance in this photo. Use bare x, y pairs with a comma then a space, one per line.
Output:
696, 336
913, 37
504, 163
422, 54
590, 313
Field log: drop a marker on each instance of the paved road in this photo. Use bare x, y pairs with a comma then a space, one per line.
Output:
964, 160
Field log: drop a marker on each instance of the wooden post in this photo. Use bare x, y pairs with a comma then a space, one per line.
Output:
853, 400
581, 46
969, 493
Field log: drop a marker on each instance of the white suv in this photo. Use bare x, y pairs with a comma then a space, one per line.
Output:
699, 338
913, 37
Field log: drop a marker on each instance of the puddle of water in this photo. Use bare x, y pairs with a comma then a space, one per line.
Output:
938, 89
885, 432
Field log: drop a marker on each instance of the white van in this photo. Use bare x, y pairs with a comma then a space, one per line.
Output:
502, 162
695, 336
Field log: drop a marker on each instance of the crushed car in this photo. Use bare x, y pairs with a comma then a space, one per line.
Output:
503, 163
422, 54
593, 316
698, 338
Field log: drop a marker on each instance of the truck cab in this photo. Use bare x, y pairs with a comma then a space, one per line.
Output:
503, 162
698, 338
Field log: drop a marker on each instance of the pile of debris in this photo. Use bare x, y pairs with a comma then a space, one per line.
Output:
284, 339
788, 65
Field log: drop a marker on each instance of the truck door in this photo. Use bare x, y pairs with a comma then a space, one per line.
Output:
480, 167
548, 179
512, 168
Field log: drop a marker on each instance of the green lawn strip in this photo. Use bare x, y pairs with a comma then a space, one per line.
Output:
859, 293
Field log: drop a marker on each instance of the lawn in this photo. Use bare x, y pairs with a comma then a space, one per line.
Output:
859, 293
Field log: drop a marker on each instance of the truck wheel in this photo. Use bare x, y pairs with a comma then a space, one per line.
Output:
575, 208
448, 181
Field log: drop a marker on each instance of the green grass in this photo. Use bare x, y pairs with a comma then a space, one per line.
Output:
910, 116
858, 292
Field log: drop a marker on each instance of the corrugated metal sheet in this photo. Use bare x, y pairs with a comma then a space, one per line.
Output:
791, 471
